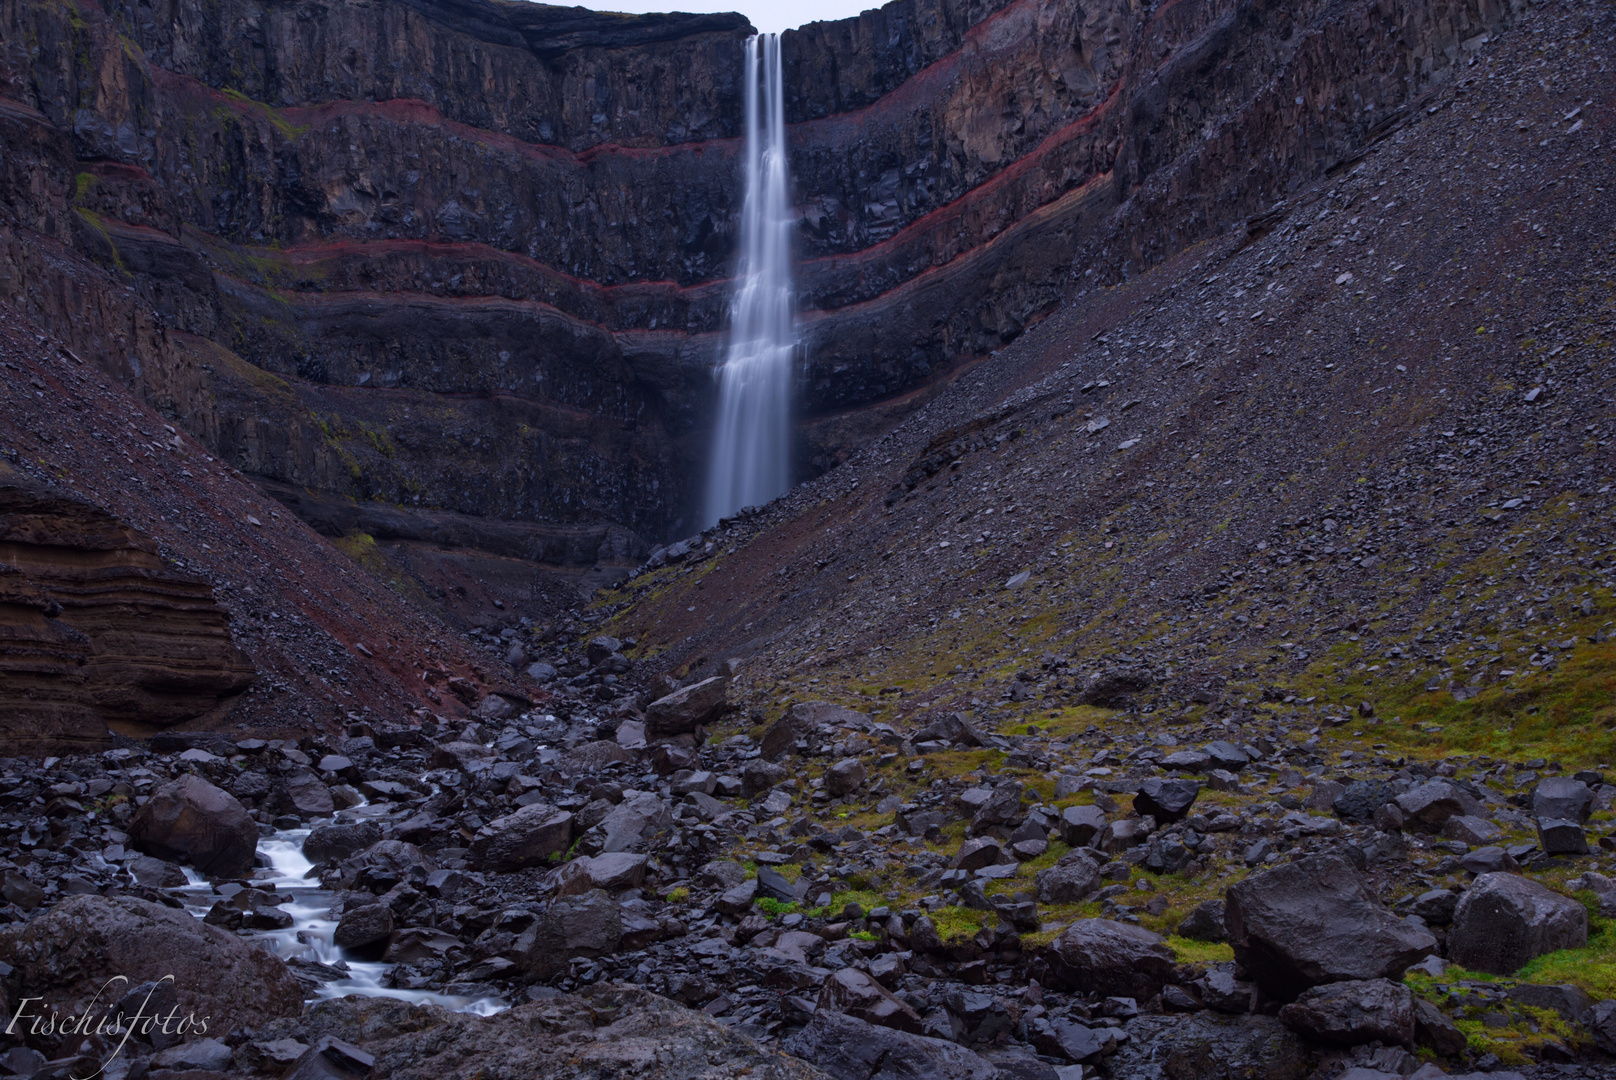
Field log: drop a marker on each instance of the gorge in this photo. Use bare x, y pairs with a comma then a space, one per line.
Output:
991, 540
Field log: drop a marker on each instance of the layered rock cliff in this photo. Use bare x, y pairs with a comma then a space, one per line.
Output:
470, 257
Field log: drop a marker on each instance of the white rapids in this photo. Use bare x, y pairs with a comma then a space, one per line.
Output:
751, 461
309, 936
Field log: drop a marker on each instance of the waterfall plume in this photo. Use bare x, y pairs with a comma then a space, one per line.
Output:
751, 460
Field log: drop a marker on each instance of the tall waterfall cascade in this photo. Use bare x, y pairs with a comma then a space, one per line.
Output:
751, 461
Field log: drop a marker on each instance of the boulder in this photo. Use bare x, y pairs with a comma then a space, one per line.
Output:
855, 993
528, 837
1428, 806
1561, 836
1209, 1046
191, 821
1434, 1029
603, 1030
950, 728
1563, 799
1361, 798
1472, 830
333, 843
800, 721
846, 1048
1354, 1012
1166, 800
1079, 825
689, 707
1503, 920
1204, 922
1602, 1022
462, 755
1222, 990
977, 853
65, 956
635, 822
384, 864
844, 777
1001, 807
1110, 958
613, 871
590, 925
330, 1059
1226, 755
760, 775
1068, 881
1115, 684
302, 792
1310, 922
153, 873
364, 927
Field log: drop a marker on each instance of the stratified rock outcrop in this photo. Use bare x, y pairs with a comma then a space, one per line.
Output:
96, 629
470, 257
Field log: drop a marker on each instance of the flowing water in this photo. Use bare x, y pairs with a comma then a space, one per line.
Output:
309, 936
751, 461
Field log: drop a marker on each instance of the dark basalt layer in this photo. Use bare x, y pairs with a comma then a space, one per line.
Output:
472, 257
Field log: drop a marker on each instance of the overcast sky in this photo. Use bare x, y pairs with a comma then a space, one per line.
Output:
769, 16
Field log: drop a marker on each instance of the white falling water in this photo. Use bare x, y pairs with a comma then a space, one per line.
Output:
751, 461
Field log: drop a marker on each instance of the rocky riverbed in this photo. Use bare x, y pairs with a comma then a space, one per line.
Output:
596, 887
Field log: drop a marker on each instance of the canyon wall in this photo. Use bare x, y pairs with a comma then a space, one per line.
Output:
419, 262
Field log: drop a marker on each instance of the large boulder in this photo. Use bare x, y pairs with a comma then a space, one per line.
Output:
1310, 922
1069, 881
686, 709
635, 822
384, 864
613, 872
847, 1048
604, 1030
1564, 799
527, 837
800, 721
1503, 920
590, 925
844, 777
364, 927
1111, 959
1428, 806
1354, 1012
191, 821
303, 793
855, 993
333, 843
1166, 800
1079, 825
66, 955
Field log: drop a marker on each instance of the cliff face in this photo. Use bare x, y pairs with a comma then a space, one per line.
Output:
468, 257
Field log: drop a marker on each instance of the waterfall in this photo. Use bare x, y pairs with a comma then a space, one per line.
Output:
751, 461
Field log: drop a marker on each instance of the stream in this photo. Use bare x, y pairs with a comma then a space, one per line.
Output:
310, 935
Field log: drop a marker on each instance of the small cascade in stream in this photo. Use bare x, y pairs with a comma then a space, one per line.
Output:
309, 936
751, 461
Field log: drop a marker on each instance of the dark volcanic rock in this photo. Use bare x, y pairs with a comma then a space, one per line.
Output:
1362, 798
1503, 920
191, 821
800, 721
1166, 800
1564, 799
1111, 959
1354, 1012
364, 926
1204, 922
527, 837
688, 708
333, 843
1312, 921
66, 954
573, 926
1210, 1046
846, 1048
855, 993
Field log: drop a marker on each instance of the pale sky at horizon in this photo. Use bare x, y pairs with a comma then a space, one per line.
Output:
769, 17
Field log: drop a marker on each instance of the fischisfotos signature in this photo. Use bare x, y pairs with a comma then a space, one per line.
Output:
33, 1017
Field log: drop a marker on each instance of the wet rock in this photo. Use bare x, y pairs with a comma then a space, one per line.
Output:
1436, 906
844, 777
209, 1054
527, 837
302, 792
857, 994
1220, 989
686, 709
573, 926
66, 954
331, 1059
1111, 958
191, 821
1354, 1012
384, 864
847, 1048
1166, 800
333, 843
1204, 922
1073, 1041
613, 871
1602, 1022
1312, 921
364, 927
153, 873
1503, 920
1560, 836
